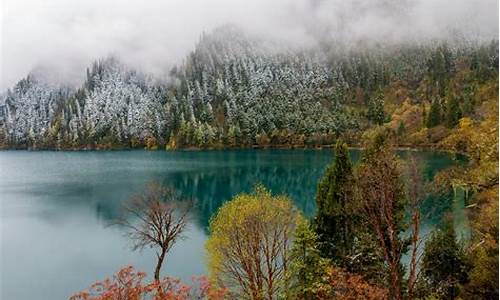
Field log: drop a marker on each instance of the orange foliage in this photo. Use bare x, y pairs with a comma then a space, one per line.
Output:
343, 285
128, 284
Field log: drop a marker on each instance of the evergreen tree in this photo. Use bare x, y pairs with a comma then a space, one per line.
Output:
439, 67
434, 117
375, 111
307, 267
468, 103
401, 128
444, 266
453, 112
228, 82
334, 220
424, 115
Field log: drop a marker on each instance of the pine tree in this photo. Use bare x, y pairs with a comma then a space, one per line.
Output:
401, 129
306, 266
444, 265
424, 115
453, 112
375, 111
434, 116
334, 220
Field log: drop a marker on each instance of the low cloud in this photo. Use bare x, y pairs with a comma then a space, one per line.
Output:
65, 36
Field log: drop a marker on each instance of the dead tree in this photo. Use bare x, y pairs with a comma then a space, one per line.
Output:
156, 218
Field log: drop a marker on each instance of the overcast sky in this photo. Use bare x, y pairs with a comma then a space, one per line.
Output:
66, 35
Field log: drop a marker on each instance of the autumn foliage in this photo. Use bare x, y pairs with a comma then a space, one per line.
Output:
129, 284
249, 244
347, 286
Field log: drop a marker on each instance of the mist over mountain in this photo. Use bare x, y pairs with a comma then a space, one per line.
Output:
102, 74
238, 89
65, 37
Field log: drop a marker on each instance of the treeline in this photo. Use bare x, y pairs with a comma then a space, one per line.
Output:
233, 91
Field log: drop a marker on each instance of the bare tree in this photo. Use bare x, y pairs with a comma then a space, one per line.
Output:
156, 218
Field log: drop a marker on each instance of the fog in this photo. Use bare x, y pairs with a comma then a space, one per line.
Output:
62, 37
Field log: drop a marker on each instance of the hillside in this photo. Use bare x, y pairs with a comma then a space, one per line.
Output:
234, 90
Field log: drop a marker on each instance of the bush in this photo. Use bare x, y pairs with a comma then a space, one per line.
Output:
129, 284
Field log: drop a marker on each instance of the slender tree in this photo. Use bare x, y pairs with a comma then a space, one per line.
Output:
415, 195
434, 117
453, 112
156, 218
382, 203
375, 111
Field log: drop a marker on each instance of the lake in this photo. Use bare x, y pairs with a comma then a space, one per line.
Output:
56, 208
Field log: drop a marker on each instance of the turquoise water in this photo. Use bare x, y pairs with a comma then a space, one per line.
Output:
56, 207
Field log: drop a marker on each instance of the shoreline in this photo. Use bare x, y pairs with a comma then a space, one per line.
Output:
401, 147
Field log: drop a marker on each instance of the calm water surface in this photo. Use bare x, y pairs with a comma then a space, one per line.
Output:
56, 207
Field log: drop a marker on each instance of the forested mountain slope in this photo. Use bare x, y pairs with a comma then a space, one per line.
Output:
235, 90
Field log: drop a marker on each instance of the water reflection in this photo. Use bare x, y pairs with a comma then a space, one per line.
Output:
55, 207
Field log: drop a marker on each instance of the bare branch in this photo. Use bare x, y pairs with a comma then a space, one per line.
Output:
156, 218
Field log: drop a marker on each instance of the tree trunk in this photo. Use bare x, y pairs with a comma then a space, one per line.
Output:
412, 278
395, 280
161, 257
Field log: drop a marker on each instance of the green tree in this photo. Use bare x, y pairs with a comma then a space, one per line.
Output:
483, 277
434, 117
198, 135
439, 67
401, 129
335, 219
444, 265
453, 112
307, 267
233, 135
375, 111
468, 98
